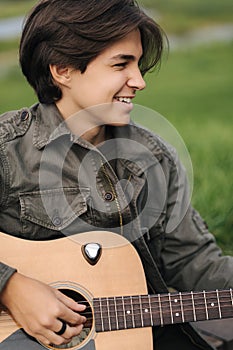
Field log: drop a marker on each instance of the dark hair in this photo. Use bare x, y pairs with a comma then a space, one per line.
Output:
74, 32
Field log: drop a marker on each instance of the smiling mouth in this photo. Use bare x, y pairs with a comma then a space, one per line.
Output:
126, 100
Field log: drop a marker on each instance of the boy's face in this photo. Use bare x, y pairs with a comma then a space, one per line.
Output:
111, 79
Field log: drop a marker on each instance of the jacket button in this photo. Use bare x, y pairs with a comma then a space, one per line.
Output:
57, 221
108, 196
24, 116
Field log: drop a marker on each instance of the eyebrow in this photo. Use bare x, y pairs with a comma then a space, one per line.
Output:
124, 57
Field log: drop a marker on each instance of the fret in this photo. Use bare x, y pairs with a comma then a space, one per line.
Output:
206, 308
157, 317
120, 313
132, 310
231, 296
108, 312
150, 308
112, 314
170, 304
199, 303
116, 313
129, 316
141, 311
176, 308
160, 310
99, 318
193, 305
105, 315
145, 302
182, 308
101, 315
230, 304
124, 315
137, 312
225, 301
219, 305
166, 310
212, 305
188, 308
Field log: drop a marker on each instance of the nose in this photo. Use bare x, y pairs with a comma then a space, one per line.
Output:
136, 80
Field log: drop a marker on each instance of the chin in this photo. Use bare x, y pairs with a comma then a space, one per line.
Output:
119, 114
120, 119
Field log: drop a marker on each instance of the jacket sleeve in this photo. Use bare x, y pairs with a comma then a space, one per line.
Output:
191, 259
5, 273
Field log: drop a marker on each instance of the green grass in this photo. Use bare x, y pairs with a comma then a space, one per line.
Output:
11, 8
9, 45
182, 15
173, 15
14, 91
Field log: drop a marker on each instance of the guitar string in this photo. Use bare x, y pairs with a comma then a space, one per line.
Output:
128, 318
188, 294
136, 312
155, 317
222, 299
198, 301
198, 296
167, 310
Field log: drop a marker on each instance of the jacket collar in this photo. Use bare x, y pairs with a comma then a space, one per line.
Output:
137, 147
49, 124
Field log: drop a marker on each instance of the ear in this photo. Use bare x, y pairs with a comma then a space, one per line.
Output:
61, 75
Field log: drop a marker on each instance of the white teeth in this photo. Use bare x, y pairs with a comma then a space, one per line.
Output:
124, 99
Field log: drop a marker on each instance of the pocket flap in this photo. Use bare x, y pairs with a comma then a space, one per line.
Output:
54, 208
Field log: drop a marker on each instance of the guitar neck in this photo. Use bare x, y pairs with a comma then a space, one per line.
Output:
115, 313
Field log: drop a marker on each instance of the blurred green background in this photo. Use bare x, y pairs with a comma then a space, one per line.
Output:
192, 89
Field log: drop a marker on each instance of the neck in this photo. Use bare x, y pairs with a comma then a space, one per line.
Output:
162, 309
83, 124
95, 136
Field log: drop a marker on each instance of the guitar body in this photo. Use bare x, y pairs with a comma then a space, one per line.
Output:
62, 263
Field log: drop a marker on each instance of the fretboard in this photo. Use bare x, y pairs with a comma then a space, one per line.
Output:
115, 313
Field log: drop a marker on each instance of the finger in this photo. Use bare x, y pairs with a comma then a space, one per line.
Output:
69, 315
72, 331
62, 330
50, 337
70, 303
42, 339
66, 337
69, 330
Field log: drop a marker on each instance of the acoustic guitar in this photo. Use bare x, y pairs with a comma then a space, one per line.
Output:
104, 271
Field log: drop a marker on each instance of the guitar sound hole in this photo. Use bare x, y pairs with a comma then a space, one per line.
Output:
78, 340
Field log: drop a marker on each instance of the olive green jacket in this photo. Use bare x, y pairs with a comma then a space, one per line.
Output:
53, 183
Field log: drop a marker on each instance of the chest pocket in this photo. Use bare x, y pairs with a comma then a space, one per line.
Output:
51, 213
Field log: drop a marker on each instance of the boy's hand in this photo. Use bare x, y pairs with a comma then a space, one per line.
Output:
39, 309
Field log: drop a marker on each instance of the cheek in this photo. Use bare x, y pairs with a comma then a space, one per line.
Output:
104, 92
95, 89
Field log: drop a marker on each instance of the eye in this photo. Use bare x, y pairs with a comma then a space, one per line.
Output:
121, 64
